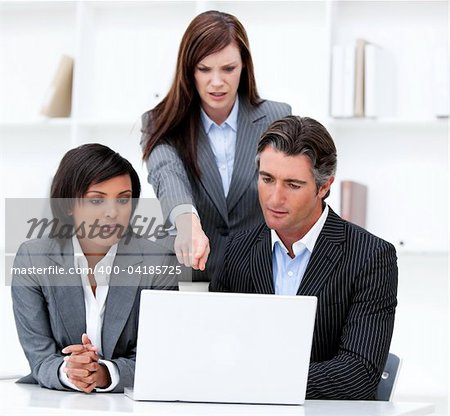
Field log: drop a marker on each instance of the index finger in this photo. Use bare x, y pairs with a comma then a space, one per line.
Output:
86, 358
73, 348
200, 256
201, 263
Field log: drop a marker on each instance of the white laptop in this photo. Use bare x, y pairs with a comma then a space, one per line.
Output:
222, 347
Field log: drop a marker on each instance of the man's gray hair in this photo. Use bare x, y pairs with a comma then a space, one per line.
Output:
294, 135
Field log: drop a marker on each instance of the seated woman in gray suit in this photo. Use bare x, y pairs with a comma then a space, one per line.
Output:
200, 141
76, 294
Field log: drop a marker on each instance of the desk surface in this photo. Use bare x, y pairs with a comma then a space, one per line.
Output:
21, 399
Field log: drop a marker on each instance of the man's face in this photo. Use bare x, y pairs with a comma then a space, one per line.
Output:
288, 195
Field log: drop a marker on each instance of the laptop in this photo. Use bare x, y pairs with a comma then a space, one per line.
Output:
223, 348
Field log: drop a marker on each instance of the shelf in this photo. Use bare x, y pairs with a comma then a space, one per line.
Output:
388, 122
111, 132
109, 123
41, 122
34, 136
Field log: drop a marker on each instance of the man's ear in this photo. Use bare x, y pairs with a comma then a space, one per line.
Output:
326, 187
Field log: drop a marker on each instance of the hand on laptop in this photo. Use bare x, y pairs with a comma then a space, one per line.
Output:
83, 368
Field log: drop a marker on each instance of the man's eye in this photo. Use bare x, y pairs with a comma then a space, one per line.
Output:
265, 179
294, 186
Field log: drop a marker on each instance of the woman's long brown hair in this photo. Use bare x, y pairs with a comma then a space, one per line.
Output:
176, 118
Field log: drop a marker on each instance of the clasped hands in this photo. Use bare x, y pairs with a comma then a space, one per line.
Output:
83, 368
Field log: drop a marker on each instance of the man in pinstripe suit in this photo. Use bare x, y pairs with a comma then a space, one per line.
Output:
304, 248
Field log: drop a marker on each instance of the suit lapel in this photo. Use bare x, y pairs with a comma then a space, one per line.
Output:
210, 176
121, 294
261, 264
249, 130
69, 299
326, 254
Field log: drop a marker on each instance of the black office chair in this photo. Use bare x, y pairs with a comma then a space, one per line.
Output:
389, 377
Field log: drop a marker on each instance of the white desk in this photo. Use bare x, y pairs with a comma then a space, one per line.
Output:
32, 400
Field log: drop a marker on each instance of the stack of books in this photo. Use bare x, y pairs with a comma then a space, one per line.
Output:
362, 76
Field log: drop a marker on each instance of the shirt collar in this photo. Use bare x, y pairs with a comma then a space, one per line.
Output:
308, 240
230, 121
80, 259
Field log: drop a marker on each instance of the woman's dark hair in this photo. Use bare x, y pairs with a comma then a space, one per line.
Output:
82, 167
176, 118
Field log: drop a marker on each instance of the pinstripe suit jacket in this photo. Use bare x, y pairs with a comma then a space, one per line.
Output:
354, 276
220, 216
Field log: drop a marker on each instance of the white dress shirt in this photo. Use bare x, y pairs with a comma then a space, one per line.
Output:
223, 144
288, 272
95, 308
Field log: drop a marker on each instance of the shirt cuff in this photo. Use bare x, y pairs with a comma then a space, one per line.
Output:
178, 210
64, 379
113, 374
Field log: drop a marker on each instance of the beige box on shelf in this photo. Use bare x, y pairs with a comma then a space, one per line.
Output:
354, 202
58, 101
359, 78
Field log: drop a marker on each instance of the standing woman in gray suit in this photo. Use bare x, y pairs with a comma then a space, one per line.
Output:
76, 291
200, 141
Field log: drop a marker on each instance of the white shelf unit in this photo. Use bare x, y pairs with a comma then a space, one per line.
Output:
125, 54
404, 158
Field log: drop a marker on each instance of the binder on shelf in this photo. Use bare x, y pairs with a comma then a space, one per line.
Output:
359, 78
349, 80
58, 100
337, 81
378, 82
354, 202
343, 81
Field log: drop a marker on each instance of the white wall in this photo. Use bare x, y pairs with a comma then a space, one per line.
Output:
421, 326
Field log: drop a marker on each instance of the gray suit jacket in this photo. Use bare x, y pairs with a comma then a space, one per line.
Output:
50, 313
220, 216
354, 276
